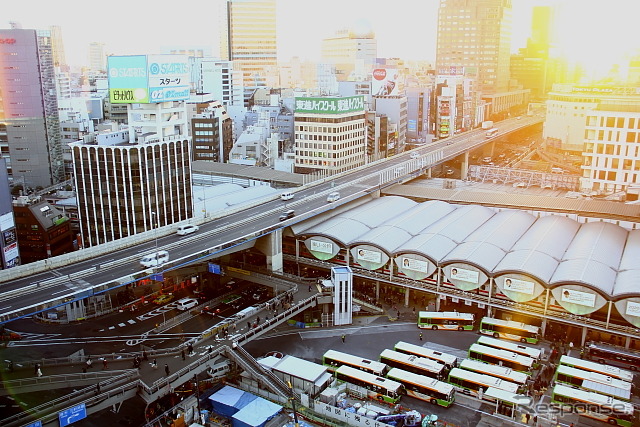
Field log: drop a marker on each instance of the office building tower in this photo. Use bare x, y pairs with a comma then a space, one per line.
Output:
395, 109
595, 131
57, 45
533, 66
212, 133
330, 134
474, 41
418, 108
219, 78
249, 40
29, 109
352, 51
97, 57
137, 178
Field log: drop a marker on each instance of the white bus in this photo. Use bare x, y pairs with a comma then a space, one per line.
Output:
451, 320
377, 387
471, 382
534, 353
333, 359
593, 381
449, 360
509, 329
588, 365
415, 364
495, 370
424, 388
500, 357
594, 405
612, 355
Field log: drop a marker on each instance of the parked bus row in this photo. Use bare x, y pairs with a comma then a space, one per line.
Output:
496, 328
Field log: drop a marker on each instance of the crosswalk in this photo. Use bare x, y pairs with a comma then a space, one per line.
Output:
145, 316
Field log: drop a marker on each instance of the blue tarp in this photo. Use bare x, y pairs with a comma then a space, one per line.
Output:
256, 413
228, 400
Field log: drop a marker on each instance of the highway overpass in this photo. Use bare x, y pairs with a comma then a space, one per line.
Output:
67, 279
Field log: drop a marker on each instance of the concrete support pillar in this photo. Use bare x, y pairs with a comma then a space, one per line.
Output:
377, 290
464, 165
406, 297
583, 340
428, 173
271, 246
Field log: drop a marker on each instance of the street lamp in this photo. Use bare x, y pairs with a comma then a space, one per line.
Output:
155, 227
293, 405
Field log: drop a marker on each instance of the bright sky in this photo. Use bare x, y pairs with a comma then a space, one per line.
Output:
596, 31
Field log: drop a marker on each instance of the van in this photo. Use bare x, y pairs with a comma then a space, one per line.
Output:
414, 155
155, 259
287, 195
333, 197
185, 304
183, 230
286, 215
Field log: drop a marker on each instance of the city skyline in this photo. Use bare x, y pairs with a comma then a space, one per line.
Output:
302, 27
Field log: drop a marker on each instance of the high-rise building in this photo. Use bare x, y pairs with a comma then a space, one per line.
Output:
352, 51
532, 66
97, 57
212, 133
249, 40
29, 125
330, 134
59, 57
474, 41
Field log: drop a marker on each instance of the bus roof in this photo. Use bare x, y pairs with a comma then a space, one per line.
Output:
510, 324
613, 349
420, 362
495, 370
360, 361
597, 367
483, 379
370, 378
447, 358
401, 374
446, 315
592, 397
502, 354
511, 346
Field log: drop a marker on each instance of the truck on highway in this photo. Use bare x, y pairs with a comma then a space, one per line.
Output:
487, 124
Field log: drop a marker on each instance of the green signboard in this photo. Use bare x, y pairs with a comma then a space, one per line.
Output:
350, 104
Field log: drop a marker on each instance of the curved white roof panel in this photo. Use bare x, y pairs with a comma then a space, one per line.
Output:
422, 216
339, 229
503, 229
386, 237
550, 235
534, 263
433, 246
628, 279
461, 222
598, 241
585, 271
380, 210
485, 255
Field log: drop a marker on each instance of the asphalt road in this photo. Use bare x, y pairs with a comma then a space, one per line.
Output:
368, 341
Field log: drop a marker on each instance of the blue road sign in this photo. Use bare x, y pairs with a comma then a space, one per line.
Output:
72, 415
35, 424
214, 268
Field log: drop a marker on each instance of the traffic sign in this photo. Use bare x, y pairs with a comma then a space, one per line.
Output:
72, 415
35, 424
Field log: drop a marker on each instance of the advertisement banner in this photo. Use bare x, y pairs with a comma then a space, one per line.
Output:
522, 286
6, 221
633, 309
414, 264
324, 247
464, 275
11, 252
348, 104
384, 82
128, 79
577, 297
169, 77
371, 256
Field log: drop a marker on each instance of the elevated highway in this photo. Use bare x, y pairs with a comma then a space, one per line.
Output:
63, 280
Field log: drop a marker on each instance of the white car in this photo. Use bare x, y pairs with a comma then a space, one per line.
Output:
414, 155
183, 230
155, 259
